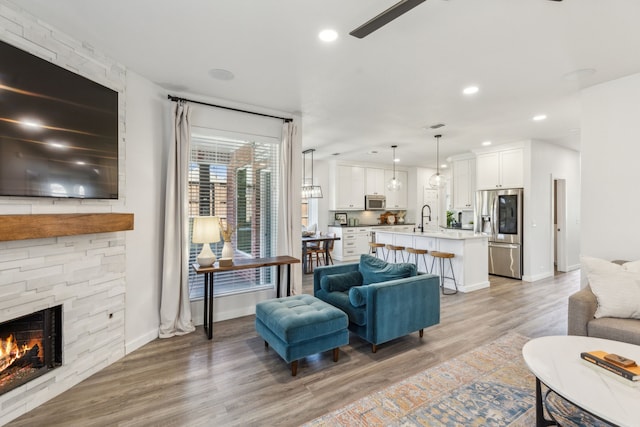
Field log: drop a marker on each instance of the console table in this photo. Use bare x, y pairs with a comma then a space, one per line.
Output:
240, 264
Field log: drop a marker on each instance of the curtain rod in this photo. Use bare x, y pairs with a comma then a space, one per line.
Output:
176, 99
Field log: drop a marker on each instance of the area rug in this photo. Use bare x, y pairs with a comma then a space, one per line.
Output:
488, 386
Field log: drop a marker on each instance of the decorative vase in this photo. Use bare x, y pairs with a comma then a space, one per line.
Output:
227, 250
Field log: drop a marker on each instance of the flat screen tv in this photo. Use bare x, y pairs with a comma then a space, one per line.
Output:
58, 131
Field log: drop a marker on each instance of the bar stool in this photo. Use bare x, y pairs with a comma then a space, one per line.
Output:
374, 249
417, 252
395, 250
442, 256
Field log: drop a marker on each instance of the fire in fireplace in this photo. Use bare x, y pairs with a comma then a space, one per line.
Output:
30, 346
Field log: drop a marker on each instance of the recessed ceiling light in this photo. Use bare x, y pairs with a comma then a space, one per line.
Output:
539, 117
444, 166
221, 74
470, 90
80, 163
396, 160
328, 35
372, 152
486, 143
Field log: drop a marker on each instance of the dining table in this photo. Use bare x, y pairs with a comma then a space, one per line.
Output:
320, 240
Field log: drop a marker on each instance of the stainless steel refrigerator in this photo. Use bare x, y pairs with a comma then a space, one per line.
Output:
499, 216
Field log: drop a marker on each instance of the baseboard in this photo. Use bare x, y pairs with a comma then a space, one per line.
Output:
473, 287
573, 267
533, 278
140, 341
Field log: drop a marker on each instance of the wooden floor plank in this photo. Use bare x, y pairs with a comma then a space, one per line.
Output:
234, 380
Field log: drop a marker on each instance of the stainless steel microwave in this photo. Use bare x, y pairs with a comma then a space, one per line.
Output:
375, 202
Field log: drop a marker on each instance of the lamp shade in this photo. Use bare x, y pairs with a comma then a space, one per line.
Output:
206, 229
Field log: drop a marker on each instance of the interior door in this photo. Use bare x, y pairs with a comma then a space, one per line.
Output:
560, 229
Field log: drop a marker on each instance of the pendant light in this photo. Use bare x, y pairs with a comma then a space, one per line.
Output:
394, 183
437, 180
309, 191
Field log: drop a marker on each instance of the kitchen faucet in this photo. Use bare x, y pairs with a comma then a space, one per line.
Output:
422, 217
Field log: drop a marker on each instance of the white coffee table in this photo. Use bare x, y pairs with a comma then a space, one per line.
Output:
555, 361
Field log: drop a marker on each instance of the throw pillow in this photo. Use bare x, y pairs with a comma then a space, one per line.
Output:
375, 270
357, 296
341, 282
633, 266
616, 287
618, 295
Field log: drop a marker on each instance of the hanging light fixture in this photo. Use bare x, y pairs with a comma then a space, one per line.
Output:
394, 183
309, 191
437, 180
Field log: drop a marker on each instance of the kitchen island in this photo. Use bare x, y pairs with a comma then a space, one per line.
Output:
470, 264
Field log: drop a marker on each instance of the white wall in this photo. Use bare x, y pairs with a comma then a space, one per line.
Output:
147, 136
610, 174
546, 163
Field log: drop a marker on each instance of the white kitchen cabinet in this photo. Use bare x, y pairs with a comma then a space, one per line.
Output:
464, 188
354, 241
346, 187
374, 181
396, 199
500, 169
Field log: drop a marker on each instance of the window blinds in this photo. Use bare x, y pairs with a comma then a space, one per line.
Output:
235, 179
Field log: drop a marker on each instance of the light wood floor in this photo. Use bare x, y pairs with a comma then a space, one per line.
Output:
233, 380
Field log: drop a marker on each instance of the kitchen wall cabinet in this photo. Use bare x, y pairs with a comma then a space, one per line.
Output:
346, 187
396, 199
500, 169
464, 187
374, 181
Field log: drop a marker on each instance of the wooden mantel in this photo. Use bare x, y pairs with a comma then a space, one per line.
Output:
39, 226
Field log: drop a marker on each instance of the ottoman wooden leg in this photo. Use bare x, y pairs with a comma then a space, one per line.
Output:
294, 368
266, 344
336, 352
421, 333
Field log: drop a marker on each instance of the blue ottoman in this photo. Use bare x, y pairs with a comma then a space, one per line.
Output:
301, 325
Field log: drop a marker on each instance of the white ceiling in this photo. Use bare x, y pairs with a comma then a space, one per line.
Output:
358, 95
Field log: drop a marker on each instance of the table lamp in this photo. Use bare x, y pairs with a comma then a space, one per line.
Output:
206, 229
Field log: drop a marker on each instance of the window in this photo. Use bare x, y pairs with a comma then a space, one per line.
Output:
235, 177
305, 213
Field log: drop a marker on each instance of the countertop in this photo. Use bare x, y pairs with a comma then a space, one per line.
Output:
372, 225
449, 234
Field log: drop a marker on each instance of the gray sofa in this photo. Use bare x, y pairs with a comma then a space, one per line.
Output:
582, 308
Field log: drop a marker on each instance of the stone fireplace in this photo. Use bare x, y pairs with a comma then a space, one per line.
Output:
30, 346
58, 262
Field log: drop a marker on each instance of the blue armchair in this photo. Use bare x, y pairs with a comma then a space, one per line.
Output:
383, 301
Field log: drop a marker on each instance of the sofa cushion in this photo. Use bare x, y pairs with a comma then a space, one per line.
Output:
358, 296
357, 315
341, 282
616, 287
375, 270
625, 330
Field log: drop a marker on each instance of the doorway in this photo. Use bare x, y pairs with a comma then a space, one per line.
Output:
559, 203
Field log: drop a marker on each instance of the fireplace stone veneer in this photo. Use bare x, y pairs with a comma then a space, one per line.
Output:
84, 274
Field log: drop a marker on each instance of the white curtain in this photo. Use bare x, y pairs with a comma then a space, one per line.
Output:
175, 309
289, 241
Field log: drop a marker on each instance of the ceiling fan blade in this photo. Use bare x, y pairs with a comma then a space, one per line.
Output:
385, 17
